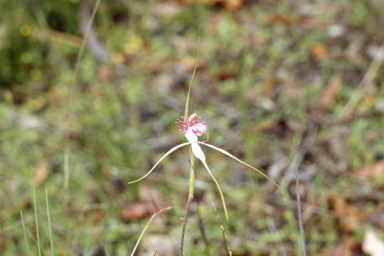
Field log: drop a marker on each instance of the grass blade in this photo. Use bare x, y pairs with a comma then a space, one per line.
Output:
49, 225
222, 229
146, 226
25, 233
105, 249
156, 251
37, 224
299, 206
230, 155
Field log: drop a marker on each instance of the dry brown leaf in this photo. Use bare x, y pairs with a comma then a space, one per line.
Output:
41, 173
319, 51
94, 216
347, 214
285, 19
373, 245
137, 211
330, 91
370, 170
312, 23
233, 5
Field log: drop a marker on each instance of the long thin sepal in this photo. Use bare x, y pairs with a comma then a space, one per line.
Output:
146, 226
199, 154
166, 154
230, 155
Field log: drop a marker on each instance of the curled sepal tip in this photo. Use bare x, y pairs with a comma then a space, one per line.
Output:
230, 155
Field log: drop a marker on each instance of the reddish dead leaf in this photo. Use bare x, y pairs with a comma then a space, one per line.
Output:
266, 126
94, 216
330, 91
303, 190
137, 211
225, 74
189, 64
319, 51
312, 23
347, 214
370, 170
233, 5
41, 173
285, 19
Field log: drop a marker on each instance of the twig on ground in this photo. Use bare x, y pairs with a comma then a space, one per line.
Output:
299, 204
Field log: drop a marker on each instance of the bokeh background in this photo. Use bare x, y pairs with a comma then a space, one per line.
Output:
271, 74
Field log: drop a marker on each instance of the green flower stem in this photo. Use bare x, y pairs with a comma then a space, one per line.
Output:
190, 198
191, 174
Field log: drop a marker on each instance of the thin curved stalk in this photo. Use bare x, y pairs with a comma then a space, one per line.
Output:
190, 84
146, 226
166, 154
199, 154
230, 155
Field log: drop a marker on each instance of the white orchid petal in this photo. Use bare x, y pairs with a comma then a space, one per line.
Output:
190, 135
230, 155
166, 154
200, 155
196, 149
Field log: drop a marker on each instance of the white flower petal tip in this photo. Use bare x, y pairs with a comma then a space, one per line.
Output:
198, 152
196, 149
165, 155
230, 155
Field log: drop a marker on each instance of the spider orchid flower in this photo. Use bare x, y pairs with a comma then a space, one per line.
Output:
192, 128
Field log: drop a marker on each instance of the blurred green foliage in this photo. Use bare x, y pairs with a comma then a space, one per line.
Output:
262, 69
